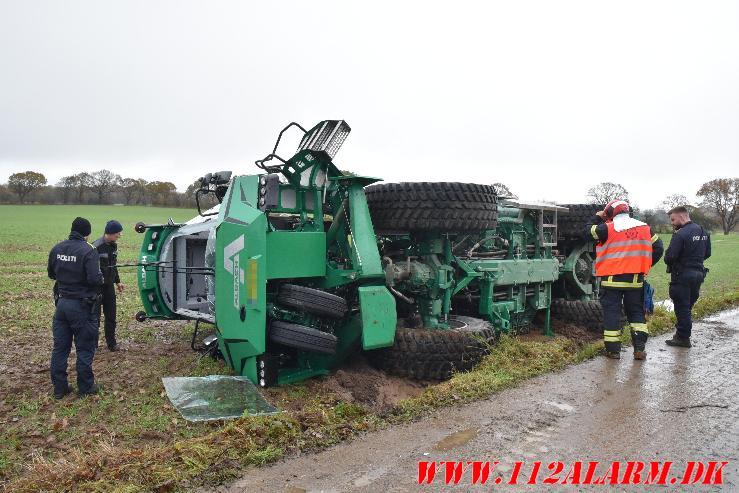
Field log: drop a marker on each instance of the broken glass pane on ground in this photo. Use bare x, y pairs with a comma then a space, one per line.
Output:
216, 397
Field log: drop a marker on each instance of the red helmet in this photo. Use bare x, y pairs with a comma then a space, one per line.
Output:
616, 207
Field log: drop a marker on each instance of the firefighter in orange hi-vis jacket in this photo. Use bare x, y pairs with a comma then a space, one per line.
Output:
625, 251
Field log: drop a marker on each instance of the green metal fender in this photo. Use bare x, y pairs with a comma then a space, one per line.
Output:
377, 307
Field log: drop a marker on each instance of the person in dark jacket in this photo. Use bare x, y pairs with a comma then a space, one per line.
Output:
689, 247
107, 249
75, 266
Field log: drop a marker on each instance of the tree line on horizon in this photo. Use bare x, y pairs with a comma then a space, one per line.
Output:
99, 187
718, 208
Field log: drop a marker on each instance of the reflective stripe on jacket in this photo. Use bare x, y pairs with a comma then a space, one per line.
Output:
624, 252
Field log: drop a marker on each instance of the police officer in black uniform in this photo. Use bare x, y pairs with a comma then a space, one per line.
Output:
689, 247
107, 249
75, 266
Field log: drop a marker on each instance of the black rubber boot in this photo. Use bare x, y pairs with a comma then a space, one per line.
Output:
678, 341
639, 340
92, 391
59, 394
613, 350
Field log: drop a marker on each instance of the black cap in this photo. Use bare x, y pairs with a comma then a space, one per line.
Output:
82, 226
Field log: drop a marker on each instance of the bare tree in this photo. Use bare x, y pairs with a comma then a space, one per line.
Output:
604, 192
81, 183
25, 183
5, 195
67, 187
502, 190
674, 200
129, 189
722, 196
161, 192
103, 182
140, 191
657, 220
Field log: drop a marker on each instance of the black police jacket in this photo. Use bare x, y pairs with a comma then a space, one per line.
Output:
75, 265
108, 253
689, 247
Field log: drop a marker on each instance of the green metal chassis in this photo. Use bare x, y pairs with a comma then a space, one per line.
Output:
337, 249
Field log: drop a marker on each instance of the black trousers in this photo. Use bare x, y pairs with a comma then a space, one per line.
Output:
74, 322
685, 288
632, 301
109, 312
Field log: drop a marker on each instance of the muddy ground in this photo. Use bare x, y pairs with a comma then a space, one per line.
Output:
134, 411
39, 426
680, 405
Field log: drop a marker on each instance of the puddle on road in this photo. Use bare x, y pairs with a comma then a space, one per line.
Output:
456, 439
722, 316
561, 406
666, 304
371, 476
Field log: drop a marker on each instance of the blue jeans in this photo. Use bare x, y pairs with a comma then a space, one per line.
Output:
74, 321
684, 290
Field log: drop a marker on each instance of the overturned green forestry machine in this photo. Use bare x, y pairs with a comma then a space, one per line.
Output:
302, 266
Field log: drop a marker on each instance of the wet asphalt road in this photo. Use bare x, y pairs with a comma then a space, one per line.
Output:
602, 410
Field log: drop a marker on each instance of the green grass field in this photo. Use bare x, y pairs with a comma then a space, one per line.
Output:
724, 266
28, 418
29, 232
129, 438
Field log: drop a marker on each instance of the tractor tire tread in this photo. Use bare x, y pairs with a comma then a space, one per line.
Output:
430, 206
302, 337
312, 300
584, 313
425, 354
578, 218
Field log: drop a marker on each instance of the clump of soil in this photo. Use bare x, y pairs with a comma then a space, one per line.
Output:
358, 382
581, 335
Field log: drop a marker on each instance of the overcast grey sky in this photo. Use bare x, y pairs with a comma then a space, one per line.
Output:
547, 97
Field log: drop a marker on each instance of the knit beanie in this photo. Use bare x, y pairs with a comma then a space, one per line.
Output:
112, 227
82, 226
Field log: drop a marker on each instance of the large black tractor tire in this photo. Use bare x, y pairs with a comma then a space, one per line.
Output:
586, 314
575, 222
425, 206
312, 301
302, 337
426, 354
